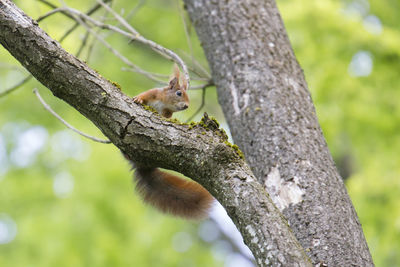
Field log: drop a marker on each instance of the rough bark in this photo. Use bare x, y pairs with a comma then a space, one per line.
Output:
199, 152
266, 102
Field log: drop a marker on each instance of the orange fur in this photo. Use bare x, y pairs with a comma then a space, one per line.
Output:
167, 100
172, 194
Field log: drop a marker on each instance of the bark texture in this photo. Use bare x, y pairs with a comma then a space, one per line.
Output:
200, 152
266, 102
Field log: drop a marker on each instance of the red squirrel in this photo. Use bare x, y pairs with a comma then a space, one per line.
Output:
166, 192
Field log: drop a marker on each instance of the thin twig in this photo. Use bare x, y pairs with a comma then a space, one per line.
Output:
91, 46
203, 97
52, 12
83, 19
197, 64
70, 30
135, 9
69, 13
46, 106
159, 75
185, 28
90, 49
120, 56
15, 87
131, 13
83, 44
135, 35
202, 86
89, 12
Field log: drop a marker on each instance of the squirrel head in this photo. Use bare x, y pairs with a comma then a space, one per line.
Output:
175, 93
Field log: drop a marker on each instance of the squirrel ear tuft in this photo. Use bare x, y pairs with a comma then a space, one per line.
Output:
176, 71
173, 83
184, 83
177, 75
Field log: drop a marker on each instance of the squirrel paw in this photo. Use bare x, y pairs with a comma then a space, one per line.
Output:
138, 100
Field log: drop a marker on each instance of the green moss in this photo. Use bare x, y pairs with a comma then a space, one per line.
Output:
192, 125
221, 133
236, 149
117, 85
174, 120
149, 108
209, 122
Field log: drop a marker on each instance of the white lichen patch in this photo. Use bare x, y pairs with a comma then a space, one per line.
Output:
252, 233
235, 98
293, 83
245, 100
283, 193
251, 230
316, 242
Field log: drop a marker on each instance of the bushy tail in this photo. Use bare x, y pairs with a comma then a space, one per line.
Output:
172, 194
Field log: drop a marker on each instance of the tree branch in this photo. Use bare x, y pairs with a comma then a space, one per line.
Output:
199, 152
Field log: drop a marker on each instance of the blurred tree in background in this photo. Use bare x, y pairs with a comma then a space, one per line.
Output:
65, 201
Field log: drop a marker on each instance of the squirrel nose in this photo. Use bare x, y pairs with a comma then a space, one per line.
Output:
185, 106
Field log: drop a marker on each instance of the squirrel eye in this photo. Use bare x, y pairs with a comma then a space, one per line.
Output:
178, 93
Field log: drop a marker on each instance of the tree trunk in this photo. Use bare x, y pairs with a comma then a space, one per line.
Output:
266, 102
199, 151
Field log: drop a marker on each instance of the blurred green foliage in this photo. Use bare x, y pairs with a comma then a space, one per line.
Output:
72, 200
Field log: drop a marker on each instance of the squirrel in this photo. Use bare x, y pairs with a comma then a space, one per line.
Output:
164, 191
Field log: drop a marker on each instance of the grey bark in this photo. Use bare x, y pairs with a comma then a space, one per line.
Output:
201, 153
266, 102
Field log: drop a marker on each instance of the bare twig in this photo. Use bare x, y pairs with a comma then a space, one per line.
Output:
89, 12
26, 79
185, 28
130, 14
203, 97
120, 56
135, 35
46, 106
15, 87
83, 44
90, 49
70, 30
52, 12
202, 86
135, 9
83, 19
196, 64
159, 75
91, 46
